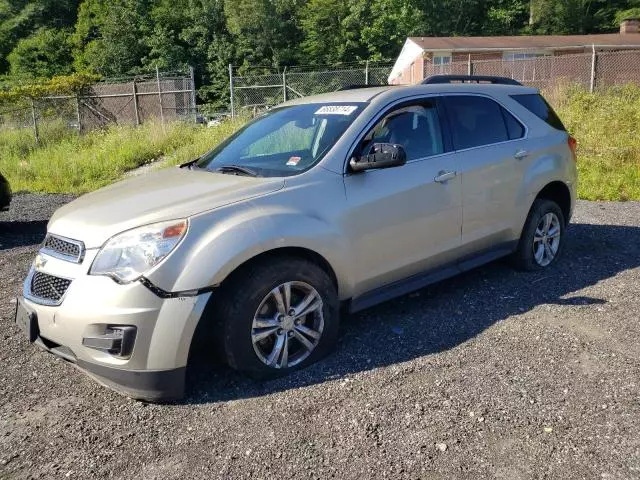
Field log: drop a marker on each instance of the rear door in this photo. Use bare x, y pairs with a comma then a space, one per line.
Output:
486, 137
405, 220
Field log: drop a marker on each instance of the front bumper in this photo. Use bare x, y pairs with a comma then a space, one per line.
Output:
155, 366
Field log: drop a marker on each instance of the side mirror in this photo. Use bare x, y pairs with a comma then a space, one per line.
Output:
381, 155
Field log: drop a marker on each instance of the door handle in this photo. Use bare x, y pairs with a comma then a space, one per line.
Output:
520, 154
443, 176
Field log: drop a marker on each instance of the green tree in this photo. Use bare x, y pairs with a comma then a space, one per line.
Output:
42, 55
264, 31
109, 37
507, 17
576, 16
389, 23
331, 30
20, 18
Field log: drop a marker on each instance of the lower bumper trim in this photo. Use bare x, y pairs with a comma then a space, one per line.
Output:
149, 385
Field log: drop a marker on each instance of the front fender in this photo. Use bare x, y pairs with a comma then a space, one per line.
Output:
219, 242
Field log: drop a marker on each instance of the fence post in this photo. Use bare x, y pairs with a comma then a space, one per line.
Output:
78, 114
160, 95
135, 101
469, 67
592, 85
284, 84
35, 122
192, 75
366, 73
233, 110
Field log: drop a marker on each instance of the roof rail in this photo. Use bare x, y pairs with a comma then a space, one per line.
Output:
355, 86
439, 79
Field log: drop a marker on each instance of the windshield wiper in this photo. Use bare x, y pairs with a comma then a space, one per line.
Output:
190, 165
237, 170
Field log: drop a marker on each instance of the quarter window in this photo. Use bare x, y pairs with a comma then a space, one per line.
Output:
537, 105
514, 127
477, 121
415, 127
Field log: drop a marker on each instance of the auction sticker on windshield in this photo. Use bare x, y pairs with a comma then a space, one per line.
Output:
336, 110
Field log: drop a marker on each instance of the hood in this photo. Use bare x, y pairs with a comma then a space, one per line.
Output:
164, 195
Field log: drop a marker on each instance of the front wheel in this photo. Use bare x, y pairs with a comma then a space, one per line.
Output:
278, 316
542, 237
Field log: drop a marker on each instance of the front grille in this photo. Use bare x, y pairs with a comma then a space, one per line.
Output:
48, 287
69, 249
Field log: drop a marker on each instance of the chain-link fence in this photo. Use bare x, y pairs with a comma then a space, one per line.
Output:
593, 70
253, 92
161, 96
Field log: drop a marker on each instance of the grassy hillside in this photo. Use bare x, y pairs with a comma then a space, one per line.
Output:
606, 126
66, 162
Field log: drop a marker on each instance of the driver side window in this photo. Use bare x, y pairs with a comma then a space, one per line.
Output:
415, 127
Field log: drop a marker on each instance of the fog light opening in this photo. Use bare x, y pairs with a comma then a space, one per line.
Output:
117, 340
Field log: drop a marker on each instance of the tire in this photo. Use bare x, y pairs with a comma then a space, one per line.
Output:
527, 255
249, 308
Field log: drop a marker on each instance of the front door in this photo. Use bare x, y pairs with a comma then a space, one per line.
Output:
404, 220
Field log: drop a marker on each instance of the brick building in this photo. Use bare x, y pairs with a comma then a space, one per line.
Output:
527, 58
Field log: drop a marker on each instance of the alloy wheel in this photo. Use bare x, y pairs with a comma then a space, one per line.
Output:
288, 325
546, 240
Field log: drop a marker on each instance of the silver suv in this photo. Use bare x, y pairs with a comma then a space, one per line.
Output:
335, 201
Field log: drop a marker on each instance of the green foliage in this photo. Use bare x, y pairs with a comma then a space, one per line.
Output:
78, 164
42, 38
58, 85
44, 54
576, 16
20, 18
605, 125
109, 36
626, 14
264, 31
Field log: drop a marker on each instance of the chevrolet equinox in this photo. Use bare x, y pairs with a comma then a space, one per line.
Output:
344, 199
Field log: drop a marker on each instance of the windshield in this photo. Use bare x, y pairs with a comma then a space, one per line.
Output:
284, 141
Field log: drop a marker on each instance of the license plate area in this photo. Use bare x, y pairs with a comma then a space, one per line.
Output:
27, 320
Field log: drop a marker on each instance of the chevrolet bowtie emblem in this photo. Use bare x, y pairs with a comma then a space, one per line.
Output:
40, 262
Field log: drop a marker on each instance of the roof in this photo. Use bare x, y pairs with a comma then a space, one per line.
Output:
357, 95
362, 95
526, 42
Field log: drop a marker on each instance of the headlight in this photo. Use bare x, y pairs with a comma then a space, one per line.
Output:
128, 255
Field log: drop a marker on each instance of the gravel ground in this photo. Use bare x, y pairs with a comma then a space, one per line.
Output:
494, 374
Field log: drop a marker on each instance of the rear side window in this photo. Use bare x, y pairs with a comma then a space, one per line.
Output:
514, 127
536, 104
476, 121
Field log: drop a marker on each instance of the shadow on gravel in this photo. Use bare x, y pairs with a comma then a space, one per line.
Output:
21, 233
442, 316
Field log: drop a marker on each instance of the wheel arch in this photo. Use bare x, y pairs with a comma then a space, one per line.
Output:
558, 192
286, 252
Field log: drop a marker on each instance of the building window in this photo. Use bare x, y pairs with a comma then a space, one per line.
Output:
522, 55
441, 63
527, 66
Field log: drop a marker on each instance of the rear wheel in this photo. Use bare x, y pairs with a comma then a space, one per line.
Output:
542, 237
278, 316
